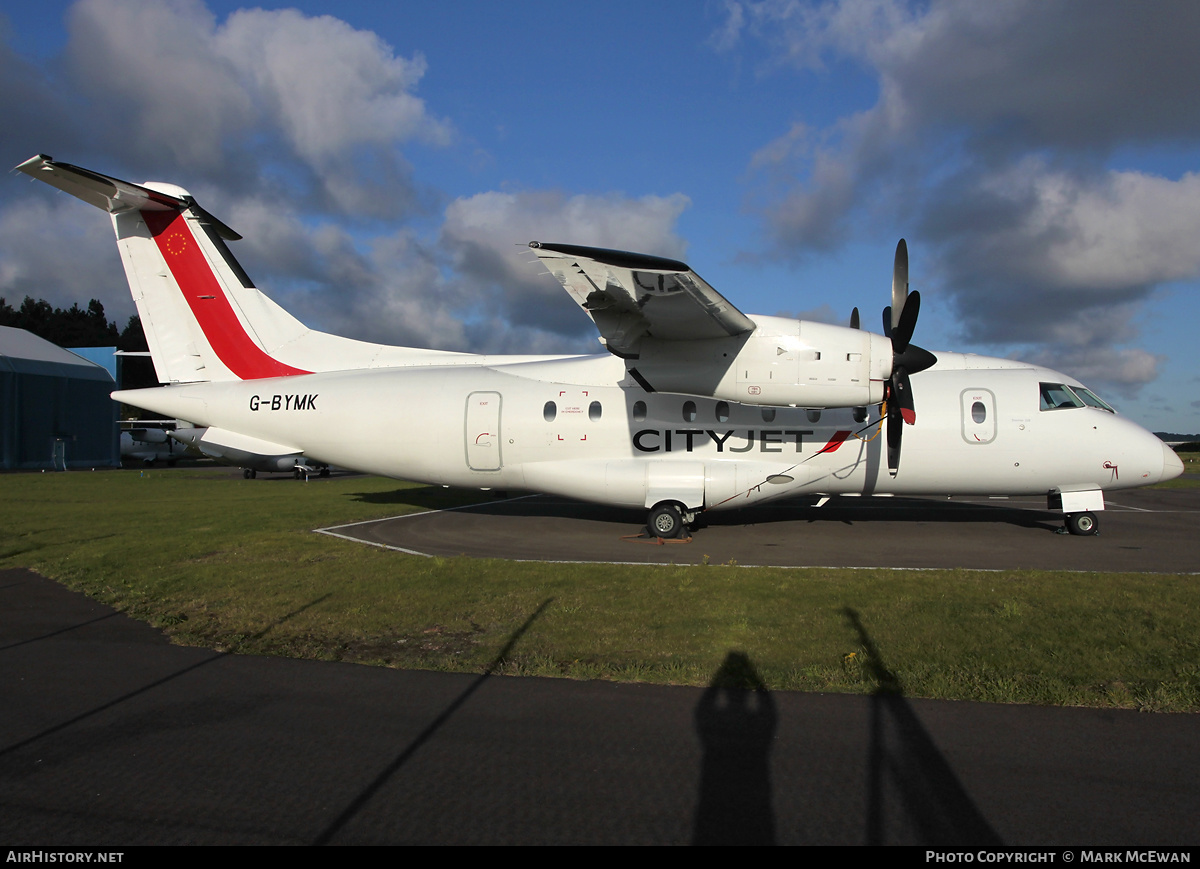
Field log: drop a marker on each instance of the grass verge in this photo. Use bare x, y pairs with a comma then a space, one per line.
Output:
232, 564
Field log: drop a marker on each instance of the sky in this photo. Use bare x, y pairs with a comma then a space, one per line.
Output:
387, 163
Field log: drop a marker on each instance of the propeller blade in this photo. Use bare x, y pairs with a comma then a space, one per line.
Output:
899, 282
902, 396
895, 431
887, 322
854, 319
903, 332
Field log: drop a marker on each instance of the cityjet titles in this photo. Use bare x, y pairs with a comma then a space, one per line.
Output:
284, 402
652, 440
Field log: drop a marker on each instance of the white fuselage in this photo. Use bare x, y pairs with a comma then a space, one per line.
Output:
696, 406
579, 427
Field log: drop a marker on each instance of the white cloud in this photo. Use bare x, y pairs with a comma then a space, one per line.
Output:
1124, 370
264, 94
292, 129
62, 251
473, 288
990, 132
485, 235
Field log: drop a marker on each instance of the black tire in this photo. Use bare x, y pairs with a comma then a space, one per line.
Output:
665, 521
247, 474
324, 472
1083, 524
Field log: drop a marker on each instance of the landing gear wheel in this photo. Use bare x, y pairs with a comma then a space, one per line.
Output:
324, 472
249, 473
665, 521
1083, 524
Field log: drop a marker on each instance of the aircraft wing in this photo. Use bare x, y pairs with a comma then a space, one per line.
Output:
632, 296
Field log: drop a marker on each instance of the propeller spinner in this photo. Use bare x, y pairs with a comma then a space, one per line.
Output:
899, 321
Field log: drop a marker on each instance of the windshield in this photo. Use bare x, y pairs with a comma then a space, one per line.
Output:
1091, 399
1056, 396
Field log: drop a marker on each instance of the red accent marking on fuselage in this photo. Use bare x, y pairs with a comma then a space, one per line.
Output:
207, 300
836, 441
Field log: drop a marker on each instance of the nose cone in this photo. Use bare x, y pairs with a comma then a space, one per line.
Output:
1172, 466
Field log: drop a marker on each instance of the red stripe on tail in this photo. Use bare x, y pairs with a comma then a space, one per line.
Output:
207, 300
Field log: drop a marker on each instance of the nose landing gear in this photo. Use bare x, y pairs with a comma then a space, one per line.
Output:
1082, 524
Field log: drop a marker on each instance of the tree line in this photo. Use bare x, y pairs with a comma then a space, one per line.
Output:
73, 326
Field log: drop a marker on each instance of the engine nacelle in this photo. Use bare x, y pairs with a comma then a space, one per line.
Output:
783, 362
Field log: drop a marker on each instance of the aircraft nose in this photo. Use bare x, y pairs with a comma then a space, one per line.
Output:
1172, 466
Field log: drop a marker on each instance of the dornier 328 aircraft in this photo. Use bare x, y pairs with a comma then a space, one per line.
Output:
695, 406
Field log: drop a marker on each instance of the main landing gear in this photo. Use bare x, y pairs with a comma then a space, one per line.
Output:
668, 521
1082, 524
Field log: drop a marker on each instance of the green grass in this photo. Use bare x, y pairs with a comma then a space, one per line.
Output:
232, 564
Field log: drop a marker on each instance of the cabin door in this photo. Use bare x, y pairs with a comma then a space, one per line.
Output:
483, 431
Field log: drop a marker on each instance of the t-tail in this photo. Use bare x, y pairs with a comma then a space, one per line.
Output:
203, 317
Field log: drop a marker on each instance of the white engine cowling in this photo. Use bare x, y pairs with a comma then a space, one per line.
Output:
783, 362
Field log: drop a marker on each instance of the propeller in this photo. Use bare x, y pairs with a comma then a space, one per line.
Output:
899, 321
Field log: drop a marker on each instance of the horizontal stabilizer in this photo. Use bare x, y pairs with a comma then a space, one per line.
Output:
99, 190
114, 195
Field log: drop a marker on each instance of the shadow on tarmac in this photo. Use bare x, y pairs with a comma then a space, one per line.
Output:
910, 785
357, 804
736, 721
846, 511
83, 716
906, 769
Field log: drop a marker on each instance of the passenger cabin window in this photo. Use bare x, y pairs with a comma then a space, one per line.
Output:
639, 411
689, 411
768, 414
594, 411
814, 416
550, 411
722, 411
978, 412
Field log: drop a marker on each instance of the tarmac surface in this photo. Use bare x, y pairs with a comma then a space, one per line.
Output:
109, 735
1141, 530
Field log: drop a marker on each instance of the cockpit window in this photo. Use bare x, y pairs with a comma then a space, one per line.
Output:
1058, 395
1091, 399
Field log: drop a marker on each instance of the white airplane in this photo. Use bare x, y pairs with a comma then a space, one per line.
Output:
148, 444
695, 406
210, 443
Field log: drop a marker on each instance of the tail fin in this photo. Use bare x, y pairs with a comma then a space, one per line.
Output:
204, 319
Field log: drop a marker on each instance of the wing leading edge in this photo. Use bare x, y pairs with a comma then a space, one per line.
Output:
632, 296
